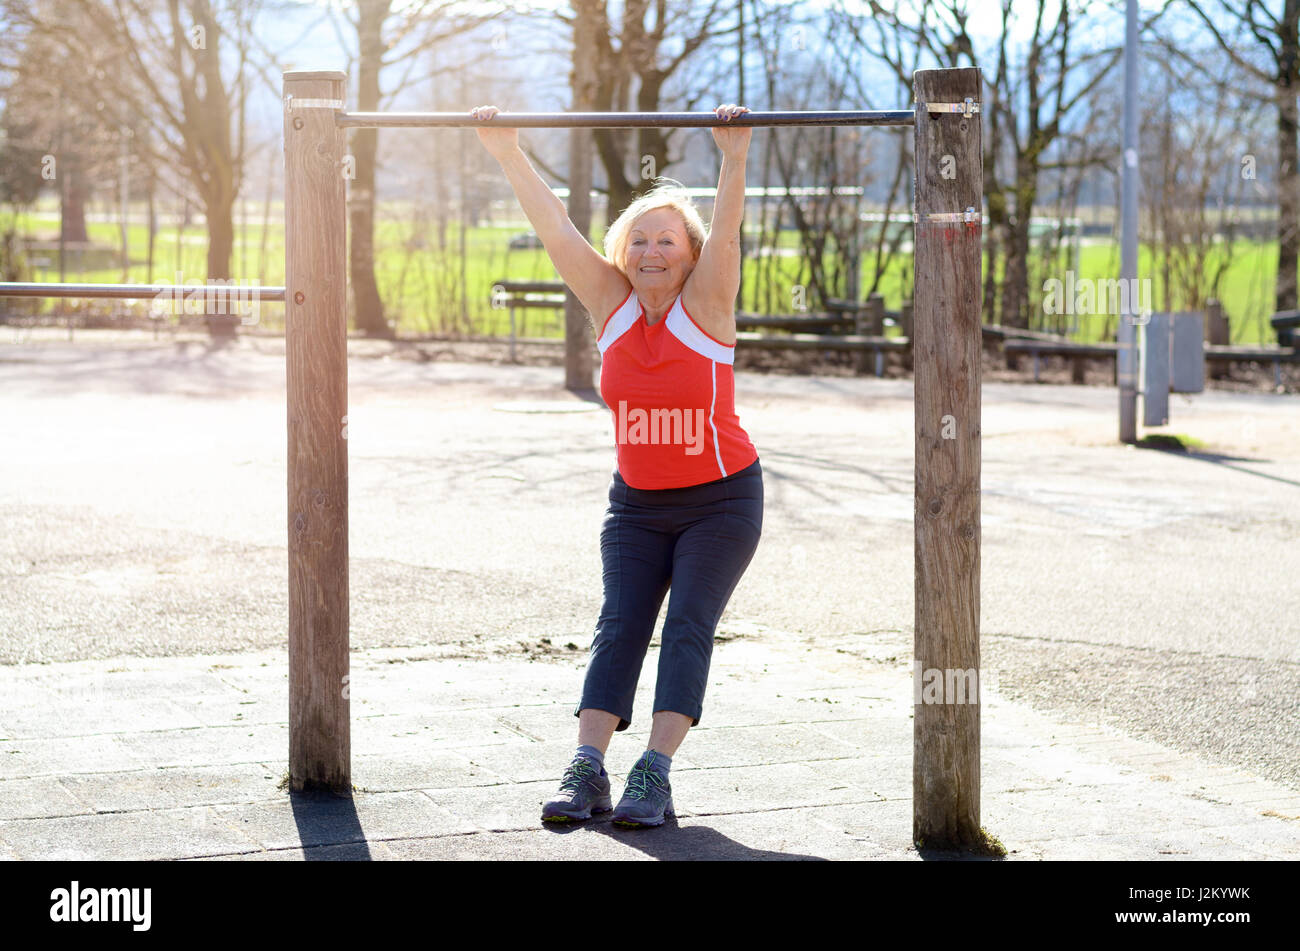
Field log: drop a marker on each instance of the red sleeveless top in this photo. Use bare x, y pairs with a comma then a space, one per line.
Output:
671, 391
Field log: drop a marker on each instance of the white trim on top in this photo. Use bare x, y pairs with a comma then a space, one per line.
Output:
713, 402
619, 322
688, 332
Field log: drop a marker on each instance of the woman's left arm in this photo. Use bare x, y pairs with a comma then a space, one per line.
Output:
718, 268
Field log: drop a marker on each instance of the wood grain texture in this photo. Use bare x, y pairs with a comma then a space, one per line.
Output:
946, 357
315, 208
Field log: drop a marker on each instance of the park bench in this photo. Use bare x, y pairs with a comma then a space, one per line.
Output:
1077, 353
525, 296
795, 323
1220, 356
862, 344
866, 319
1217, 356
1285, 323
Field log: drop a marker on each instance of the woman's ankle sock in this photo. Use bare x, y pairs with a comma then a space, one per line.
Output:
593, 754
657, 761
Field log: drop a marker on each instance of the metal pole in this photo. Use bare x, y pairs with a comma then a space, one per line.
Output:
1126, 336
139, 291
620, 120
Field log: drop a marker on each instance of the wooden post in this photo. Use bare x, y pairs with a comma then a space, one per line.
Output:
861, 328
1216, 328
946, 354
315, 210
875, 309
876, 315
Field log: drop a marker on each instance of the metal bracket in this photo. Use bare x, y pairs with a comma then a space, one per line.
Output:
967, 108
969, 216
292, 103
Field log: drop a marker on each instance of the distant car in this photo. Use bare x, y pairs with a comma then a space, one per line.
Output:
526, 241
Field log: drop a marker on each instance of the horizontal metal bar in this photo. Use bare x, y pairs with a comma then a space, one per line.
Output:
142, 291
619, 120
294, 104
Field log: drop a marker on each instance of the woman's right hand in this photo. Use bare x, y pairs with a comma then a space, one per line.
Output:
499, 142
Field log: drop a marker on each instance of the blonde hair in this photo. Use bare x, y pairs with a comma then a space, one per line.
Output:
666, 193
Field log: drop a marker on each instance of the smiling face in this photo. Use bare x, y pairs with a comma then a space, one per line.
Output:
659, 255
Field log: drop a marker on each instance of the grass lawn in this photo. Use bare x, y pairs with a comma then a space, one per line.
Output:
419, 275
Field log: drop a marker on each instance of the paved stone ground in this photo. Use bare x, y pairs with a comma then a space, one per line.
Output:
1135, 603
800, 754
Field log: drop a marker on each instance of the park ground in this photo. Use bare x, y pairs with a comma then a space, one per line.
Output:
144, 510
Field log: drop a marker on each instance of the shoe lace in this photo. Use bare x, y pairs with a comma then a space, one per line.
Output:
577, 773
641, 780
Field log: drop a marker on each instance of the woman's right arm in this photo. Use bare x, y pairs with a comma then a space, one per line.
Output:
597, 283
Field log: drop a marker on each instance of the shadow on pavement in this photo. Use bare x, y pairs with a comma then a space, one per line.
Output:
670, 842
1219, 459
325, 819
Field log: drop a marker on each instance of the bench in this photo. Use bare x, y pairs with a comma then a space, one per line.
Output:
526, 295
1077, 353
862, 344
1221, 355
1285, 323
797, 323
866, 319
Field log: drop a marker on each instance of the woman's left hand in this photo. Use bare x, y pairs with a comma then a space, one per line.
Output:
734, 143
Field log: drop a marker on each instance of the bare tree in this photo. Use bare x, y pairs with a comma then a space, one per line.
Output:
1277, 37
1030, 104
388, 41
1200, 185
161, 68
633, 73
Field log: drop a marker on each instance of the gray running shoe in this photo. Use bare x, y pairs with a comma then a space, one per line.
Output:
583, 791
647, 799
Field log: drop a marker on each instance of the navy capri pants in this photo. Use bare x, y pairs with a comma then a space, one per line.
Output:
698, 540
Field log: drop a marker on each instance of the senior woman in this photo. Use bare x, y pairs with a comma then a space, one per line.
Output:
686, 497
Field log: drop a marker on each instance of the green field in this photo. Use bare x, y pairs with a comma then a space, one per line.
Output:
420, 277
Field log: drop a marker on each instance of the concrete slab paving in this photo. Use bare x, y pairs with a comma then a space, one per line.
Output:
1135, 710
830, 788
313, 820
140, 835
179, 786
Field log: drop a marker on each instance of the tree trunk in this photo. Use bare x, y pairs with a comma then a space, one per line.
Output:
153, 231
584, 80
1015, 284
219, 209
73, 218
997, 204
1288, 185
369, 309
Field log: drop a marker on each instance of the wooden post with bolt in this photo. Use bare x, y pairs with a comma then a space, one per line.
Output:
946, 355
315, 319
